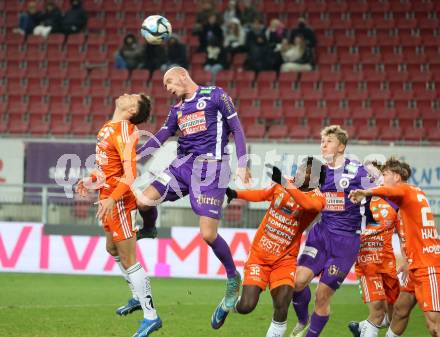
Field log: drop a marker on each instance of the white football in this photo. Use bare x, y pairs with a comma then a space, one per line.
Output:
156, 29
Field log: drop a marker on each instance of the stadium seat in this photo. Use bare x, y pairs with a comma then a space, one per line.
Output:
79, 109
18, 124
412, 133
255, 131
247, 93
39, 125
390, 133
249, 113
433, 134
367, 132
277, 132
271, 112
59, 107
82, 128
299, 132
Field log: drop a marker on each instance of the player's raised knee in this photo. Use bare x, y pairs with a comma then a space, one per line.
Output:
208, 234
246, 306
111, 249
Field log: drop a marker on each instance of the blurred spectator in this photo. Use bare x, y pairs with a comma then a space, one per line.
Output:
297, 56
248, 13
256, 29
305, 31
215, 57
175, 53
154, 56
211, 29
29, 19
260, 55
50, 20
131, 54
275, 33
75, 19
206, 9
235, 38
232, 11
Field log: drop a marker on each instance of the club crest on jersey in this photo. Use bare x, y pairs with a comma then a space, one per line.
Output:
344, 182
384, 212
201, 104
278, 200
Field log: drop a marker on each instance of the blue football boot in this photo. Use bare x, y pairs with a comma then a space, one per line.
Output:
128, 308
219, 316
148, 326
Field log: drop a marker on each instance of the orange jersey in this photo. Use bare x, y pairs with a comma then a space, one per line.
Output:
279, 233
376, 253
116, 160
422, 243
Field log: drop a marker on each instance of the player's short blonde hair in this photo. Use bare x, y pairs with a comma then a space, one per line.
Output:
336, 130
399, 167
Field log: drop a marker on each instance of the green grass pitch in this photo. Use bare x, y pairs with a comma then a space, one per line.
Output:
43, 305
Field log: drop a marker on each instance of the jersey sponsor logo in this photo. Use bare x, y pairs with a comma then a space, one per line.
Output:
282, 219
270, 246
278, 200
206, 90
352, 168
335, 201
204, 200
228, 103
344, 182
310, 251
192, 123
369, 258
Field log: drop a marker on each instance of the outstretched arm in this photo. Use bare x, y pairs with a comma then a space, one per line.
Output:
166, 131
256, 195
309, 202
394, 193
228, 111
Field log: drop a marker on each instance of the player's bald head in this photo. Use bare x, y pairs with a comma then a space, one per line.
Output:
175, 71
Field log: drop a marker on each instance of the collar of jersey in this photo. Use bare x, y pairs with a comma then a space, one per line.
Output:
193, 96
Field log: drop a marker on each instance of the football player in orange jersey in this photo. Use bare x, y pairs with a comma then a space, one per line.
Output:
422, 247
376, 263
273, 254
116, 161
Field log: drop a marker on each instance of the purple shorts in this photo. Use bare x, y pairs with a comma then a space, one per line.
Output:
204, 180
329, 253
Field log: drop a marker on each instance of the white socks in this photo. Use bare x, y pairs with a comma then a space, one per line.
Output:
277, 329
386, 322
390, 333
369, 329
141, 284
124, 273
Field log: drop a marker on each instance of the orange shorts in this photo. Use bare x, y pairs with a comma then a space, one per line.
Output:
121, 224
379, 287
274, 275
424, 283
